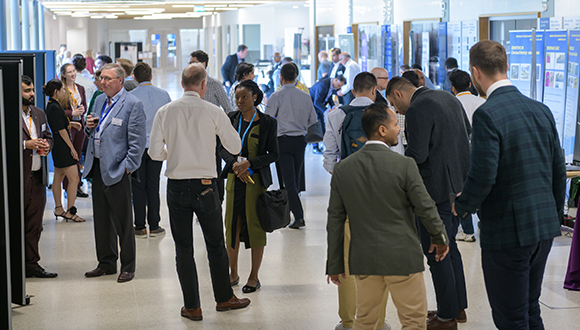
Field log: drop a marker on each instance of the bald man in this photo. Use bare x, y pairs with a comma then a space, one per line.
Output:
424, 82
382, 76
324, 65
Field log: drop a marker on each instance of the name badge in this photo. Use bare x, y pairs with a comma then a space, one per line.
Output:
43, 127
117, 121
241, 159
97, 141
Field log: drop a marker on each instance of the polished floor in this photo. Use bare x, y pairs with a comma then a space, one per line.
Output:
294, 293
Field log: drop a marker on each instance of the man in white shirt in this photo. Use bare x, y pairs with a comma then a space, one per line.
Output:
184, 134
80, 64
351, 70
460, 86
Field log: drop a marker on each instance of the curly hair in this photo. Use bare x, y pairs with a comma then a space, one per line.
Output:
253, 87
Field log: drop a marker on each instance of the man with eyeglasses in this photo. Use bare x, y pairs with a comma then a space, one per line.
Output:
117, 138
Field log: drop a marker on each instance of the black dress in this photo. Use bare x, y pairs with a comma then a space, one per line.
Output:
58, 120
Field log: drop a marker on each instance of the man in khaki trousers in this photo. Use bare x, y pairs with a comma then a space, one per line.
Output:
381, 203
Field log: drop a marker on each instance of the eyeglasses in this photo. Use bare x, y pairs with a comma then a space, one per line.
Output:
107, 79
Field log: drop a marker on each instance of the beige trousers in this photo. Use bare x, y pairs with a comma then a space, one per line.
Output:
347, 291
409, 297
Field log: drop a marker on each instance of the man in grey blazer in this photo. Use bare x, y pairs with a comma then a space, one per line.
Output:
437, 131
116, 143
381, 203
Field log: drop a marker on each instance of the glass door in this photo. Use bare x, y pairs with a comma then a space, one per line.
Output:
165, 49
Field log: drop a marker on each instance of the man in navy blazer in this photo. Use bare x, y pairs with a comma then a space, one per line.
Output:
229, 67
117, 138
517, 180
321, 94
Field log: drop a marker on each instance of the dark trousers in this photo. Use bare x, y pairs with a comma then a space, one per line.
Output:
113, 217
184, 197
447, 274
467, 225
77, 139
513, 280
290, 169
218, 164
320, 115
146, 193
34, 202
347, 98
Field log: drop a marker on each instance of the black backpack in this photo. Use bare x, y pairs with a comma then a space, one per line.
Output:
353, 137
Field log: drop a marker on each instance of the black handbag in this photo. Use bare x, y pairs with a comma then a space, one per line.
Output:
273, 209
314, 134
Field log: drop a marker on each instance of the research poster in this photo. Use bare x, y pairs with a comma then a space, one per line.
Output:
521, 71
388, 48
364, 51
442, 52
468, 39
454, 43
572, 105
425, 52
571, 23
555, 61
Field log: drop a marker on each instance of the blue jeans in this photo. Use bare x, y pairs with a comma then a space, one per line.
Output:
184, 197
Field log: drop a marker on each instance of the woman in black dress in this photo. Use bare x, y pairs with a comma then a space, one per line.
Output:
248, 176
64, 155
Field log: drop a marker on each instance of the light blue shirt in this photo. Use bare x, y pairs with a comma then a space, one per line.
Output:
153, 98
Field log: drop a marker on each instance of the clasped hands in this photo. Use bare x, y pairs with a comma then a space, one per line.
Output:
241, 170
37, 144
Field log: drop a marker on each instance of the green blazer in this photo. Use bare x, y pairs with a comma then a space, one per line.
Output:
381, 191
517, 176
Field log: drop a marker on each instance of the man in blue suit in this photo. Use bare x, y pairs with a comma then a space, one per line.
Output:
229, 67
117, 138
321, 94
517, 180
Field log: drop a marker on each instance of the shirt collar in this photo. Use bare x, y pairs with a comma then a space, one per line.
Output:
362, 101
498, 84
463, 93
376, 142
292, 85
117, 96
27, 112
145, 83
191, 93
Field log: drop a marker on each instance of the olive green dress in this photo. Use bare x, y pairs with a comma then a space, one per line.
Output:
241, 198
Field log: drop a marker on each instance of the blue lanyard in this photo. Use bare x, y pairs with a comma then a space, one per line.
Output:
102, 120
247, 129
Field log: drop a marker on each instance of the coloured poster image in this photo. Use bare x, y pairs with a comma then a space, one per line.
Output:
515, 72
454, 42
525, 72
538, 72
555, 86
572, 103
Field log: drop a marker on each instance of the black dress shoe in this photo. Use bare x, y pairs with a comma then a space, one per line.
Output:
297, 224
81, 193
98, 272
40, 273
125, 277
250, 289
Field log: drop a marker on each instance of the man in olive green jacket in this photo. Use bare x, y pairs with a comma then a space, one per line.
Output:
382, 191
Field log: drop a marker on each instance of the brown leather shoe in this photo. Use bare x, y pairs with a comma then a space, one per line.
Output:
98, 272
193, 314
125, 277
431, 315
462, 317
435, 324
233, 303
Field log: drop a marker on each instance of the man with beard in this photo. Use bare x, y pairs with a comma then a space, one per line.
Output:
36, 143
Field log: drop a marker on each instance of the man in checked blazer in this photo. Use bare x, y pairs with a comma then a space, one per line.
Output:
437, 131
116, 144
517, 180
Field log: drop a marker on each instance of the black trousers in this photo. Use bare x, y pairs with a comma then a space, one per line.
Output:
290, 167
447, 274
146, 202
34, 202
184, 197
513, 281
113, 217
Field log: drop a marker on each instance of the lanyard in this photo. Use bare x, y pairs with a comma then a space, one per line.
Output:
247, 129
102, 120
30, 127
146, 84
463, 93
73, 95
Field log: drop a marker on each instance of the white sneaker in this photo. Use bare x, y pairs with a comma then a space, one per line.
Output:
460, 236
386, 326
469, 238
339, 326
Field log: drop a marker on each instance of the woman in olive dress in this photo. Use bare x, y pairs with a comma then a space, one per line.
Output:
259, 149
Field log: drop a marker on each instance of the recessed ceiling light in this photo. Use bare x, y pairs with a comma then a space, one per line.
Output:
295, 7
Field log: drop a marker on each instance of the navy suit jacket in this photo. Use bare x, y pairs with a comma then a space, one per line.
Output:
339, 71
229, 68
123, 138
319, 92
517, 176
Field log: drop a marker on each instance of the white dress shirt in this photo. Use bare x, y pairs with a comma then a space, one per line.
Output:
33, 135
496, 85
88, 85
470, 103
184, 133
351, 70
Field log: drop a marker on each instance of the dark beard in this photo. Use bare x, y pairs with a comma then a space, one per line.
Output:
28, 102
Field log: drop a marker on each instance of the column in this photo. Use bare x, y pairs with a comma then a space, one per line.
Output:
34, 31
25, 25
3, 26
41, 45
15, 25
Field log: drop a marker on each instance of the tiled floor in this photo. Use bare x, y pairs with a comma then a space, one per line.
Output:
294, 292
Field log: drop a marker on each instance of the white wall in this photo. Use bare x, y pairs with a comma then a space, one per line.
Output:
461, 10
566, 8
337, 12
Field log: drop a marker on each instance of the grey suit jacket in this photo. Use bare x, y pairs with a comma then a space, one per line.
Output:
437, 131
123, 138
381, 191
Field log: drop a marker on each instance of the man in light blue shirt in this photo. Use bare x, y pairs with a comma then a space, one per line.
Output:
146, 203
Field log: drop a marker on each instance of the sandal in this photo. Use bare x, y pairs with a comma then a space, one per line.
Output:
75, 218
62, 215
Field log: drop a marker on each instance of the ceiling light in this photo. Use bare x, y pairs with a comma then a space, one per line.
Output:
295, 7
